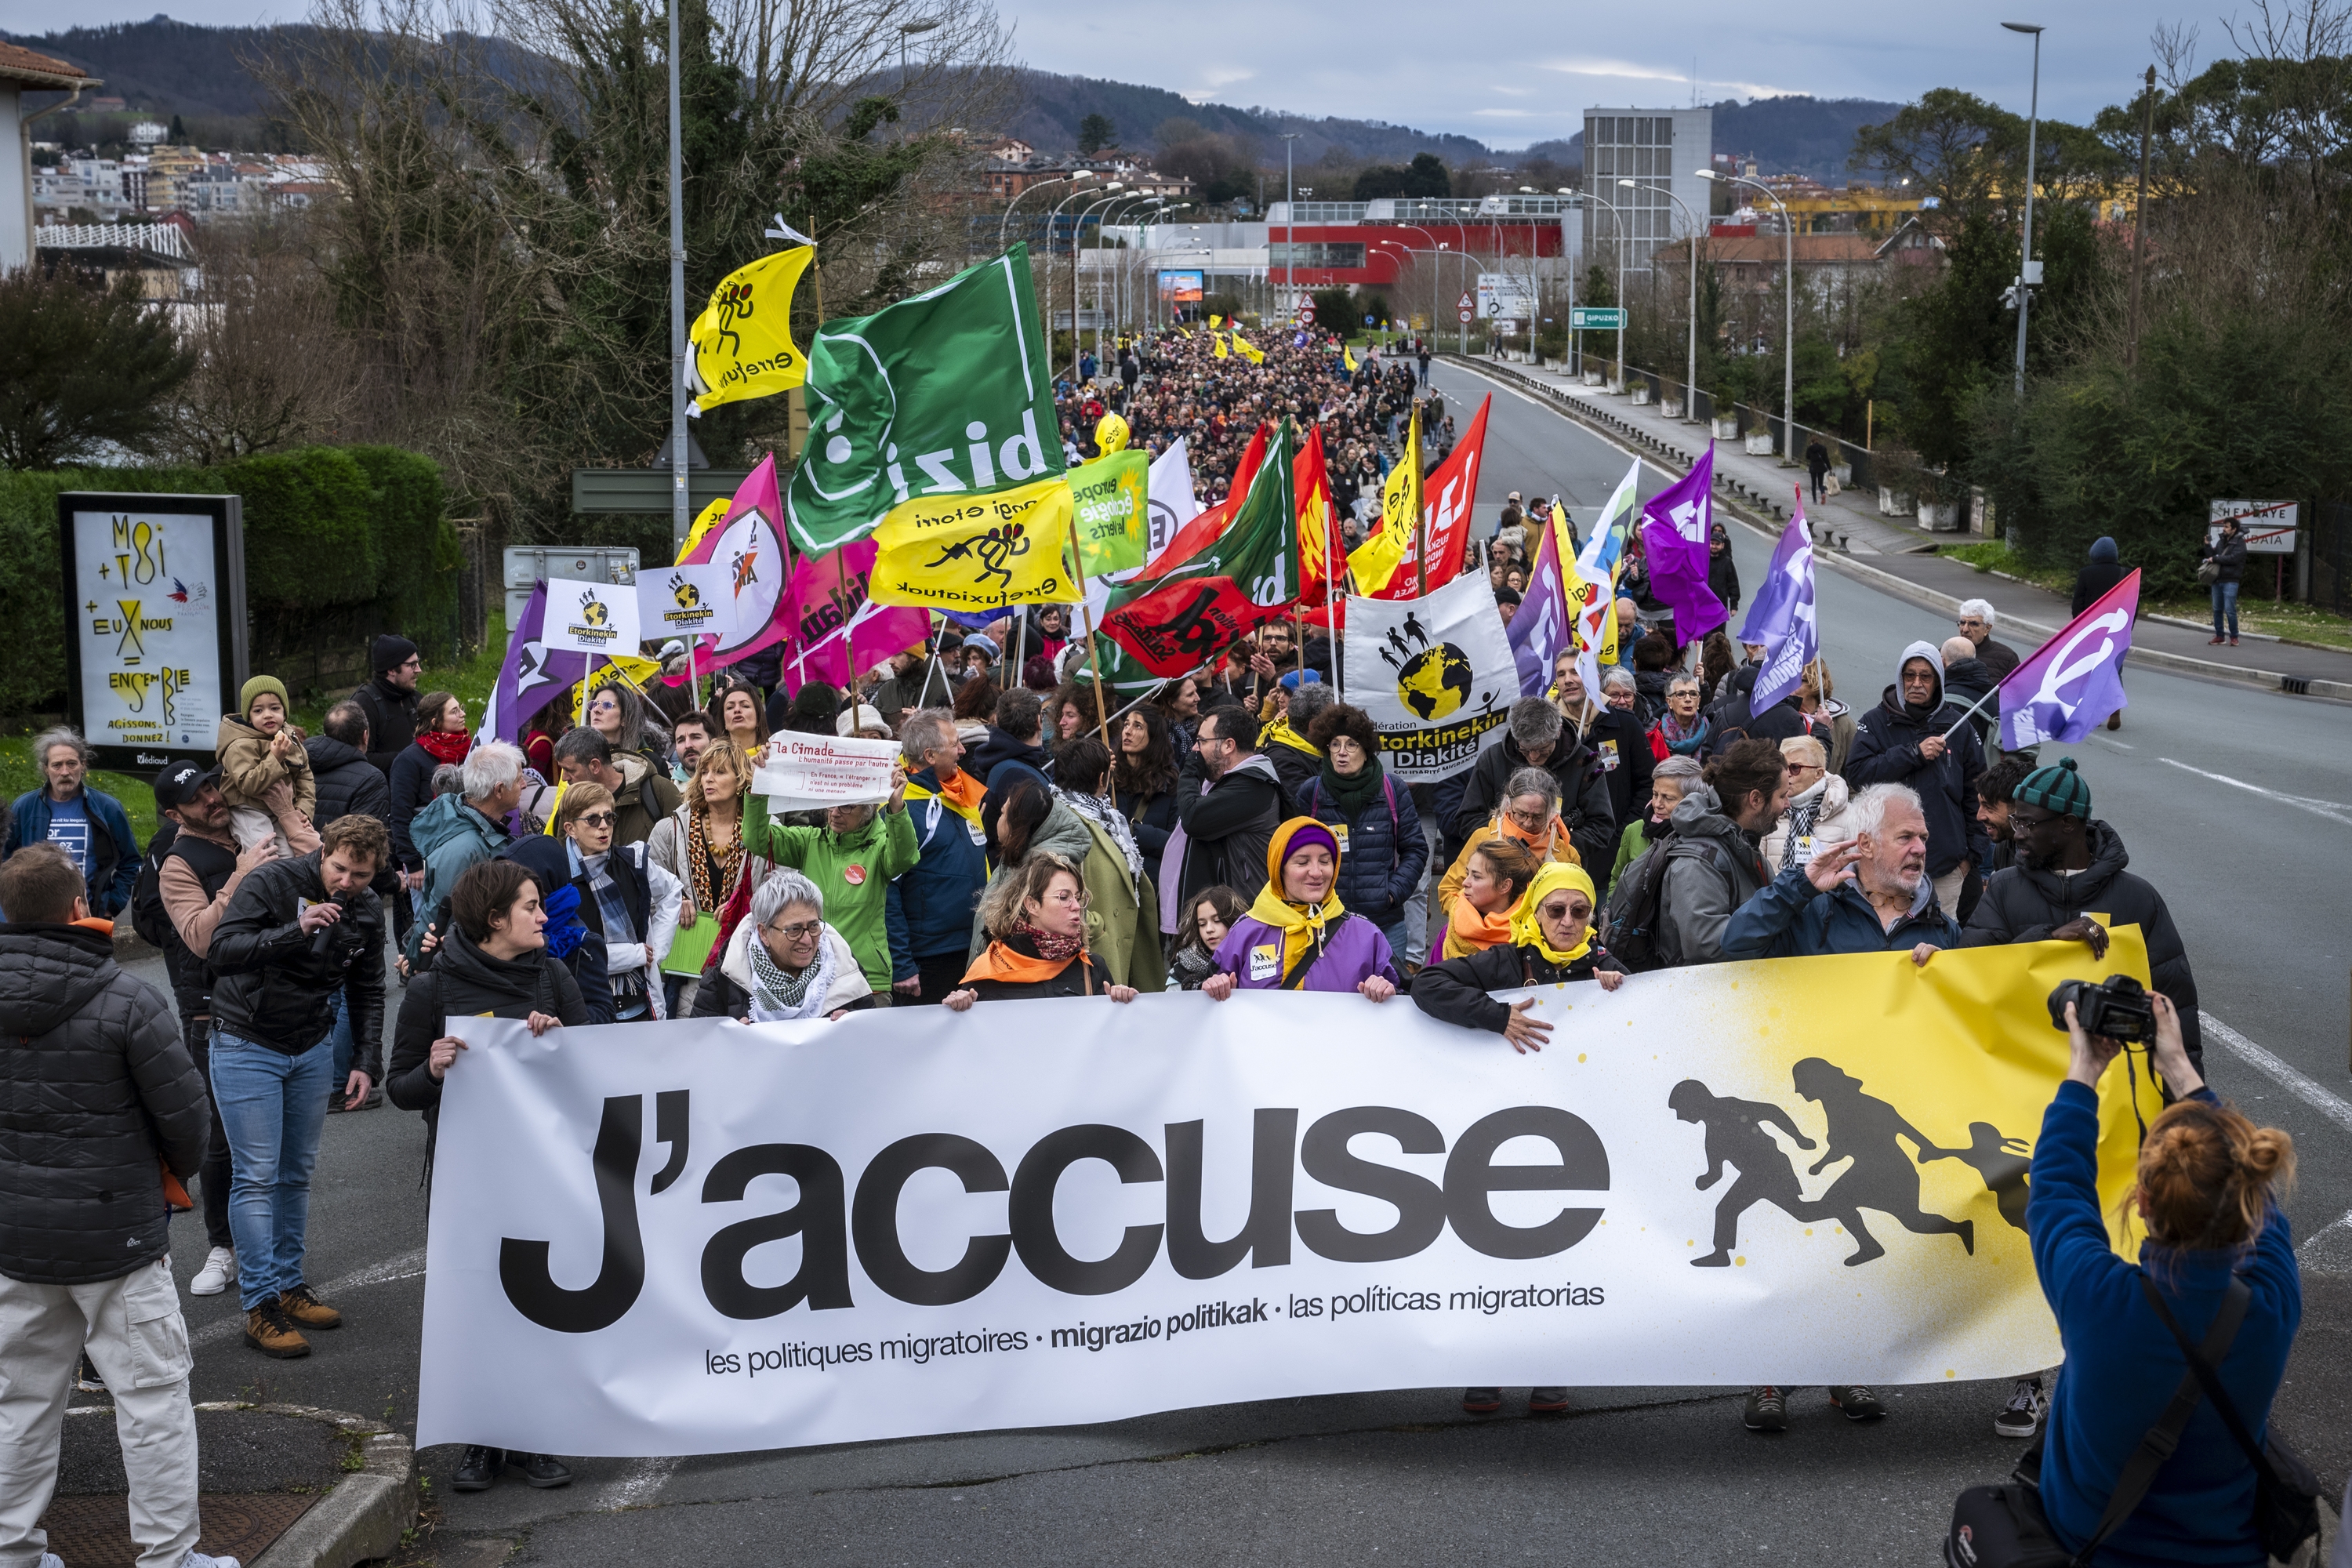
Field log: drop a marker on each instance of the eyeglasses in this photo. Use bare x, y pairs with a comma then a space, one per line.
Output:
800, 932
596, 819
1533, 821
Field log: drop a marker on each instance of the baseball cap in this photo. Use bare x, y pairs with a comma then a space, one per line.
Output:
180, 782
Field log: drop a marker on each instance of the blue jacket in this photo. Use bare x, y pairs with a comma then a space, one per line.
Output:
1385, 854
114, 852
2123, 1365
1789, 920
928, 909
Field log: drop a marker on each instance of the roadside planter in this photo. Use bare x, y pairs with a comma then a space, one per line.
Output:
1893, 502
1759, 443
1593, 378
1939, 516
1672, 407
1728, 429
1640, 394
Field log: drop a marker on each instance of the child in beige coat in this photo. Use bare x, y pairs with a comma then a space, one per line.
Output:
259, 749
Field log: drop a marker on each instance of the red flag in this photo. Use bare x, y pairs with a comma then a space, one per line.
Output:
1318, 543
1447, 494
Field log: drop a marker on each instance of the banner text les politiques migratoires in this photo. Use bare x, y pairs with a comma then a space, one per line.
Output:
724, 1237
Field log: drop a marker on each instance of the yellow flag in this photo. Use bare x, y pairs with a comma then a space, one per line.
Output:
1216, 321
1348, 357
702, 525
1250, 351
743, 339
1221, 345
1376, 561
976, 552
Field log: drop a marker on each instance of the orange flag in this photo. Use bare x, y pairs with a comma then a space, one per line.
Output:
1318, 546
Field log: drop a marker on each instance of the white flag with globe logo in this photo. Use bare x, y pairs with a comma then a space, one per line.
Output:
1435, 674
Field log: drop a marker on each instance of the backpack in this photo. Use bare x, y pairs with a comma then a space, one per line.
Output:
147, 916
1639, 934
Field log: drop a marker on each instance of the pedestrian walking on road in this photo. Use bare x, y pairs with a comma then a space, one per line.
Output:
1817, 464
102, 1112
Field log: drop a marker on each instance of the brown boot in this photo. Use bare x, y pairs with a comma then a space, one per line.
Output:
307, 1310
268, 1331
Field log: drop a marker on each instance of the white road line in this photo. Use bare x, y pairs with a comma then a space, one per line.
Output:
2335, 811
2319, 1098
407, 1266
2311, 1243
639, 1486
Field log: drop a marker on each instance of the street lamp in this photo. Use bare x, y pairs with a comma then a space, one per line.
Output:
1617, 221
2029, 272
907, 30
1789, 301
1690, 374
1119, 284
1077, 233
1289, 223
1042, 185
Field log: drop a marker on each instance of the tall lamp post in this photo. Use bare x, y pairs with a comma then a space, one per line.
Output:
1005, 223
679, 509
1789, 301
1053, 221
1617, 221
1078, 233
907, 30
2029, 272
1289, 222
1690, 374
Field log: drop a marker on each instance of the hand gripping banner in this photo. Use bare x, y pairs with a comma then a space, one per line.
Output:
725, 1236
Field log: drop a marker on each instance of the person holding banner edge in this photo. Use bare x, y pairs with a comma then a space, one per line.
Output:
853, 858
1037, 924
1298, 936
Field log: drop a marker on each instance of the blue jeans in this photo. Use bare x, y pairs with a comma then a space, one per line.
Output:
339, 1036
2225, 602
273, 1106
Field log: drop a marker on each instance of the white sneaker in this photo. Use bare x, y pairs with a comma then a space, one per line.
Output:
51, 1560
217, 1275
195, 1559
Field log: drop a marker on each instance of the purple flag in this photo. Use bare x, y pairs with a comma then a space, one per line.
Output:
1541, 625
1780, 617
1675, 526
2068, 687
531, 676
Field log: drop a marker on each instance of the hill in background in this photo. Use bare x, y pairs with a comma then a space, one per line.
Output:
164, 67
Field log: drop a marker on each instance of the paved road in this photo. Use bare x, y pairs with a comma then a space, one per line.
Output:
2234, 804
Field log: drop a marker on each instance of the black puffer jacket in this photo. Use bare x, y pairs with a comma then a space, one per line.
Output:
1584, 803
97, 1090
348, 783
2023, 904
1460, 990
270, 983
1886, 751
467, 983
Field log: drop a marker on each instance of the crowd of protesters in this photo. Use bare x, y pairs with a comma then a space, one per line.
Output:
1237, 830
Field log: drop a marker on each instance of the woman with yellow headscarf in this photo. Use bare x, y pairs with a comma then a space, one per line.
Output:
1298, 936
1552, 942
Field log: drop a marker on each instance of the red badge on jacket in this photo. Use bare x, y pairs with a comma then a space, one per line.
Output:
853, 875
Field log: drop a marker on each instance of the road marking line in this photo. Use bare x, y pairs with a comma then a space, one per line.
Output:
2328, 1104
407, 1266
2343, 1221
2335, 811
641, 1484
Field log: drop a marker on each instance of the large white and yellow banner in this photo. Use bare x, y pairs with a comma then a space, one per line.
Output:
717, 1237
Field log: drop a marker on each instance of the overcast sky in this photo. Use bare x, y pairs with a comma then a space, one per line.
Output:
1511, 73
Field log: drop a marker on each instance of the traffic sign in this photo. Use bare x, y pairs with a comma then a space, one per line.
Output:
1592, 318
1466, 302
1466, 313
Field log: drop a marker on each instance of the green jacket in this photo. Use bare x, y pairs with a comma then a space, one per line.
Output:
1122, 918
854, 872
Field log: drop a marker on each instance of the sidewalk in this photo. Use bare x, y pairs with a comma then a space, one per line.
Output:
1850, 527
283, 1486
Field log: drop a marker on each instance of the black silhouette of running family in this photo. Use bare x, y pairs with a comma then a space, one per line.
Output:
1865, 1129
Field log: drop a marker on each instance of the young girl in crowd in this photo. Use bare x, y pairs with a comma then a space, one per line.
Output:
1298, 936
259, 750
1213, 914
1499, 871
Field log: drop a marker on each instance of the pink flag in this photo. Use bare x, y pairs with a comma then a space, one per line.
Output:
747, 540
837, 629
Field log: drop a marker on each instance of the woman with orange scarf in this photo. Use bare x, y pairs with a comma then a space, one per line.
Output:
1496, 872
1528, 815
1037, 925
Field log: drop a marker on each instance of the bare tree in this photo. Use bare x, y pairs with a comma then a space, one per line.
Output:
271, 370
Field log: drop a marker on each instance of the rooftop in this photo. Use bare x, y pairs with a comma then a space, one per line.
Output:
19, 64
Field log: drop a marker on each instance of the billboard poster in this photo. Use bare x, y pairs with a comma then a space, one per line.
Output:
1180, 292
155, 590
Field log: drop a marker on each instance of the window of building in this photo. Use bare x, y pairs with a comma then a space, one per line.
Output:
1327, 253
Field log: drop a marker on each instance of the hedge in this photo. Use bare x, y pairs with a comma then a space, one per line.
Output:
339, 542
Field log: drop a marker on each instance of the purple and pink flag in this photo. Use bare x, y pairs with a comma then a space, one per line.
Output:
1674, 528
835, 630
2068, 687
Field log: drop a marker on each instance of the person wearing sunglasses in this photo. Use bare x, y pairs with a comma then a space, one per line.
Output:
784, 963
626, 897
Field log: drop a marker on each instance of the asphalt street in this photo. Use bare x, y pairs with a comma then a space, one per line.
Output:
2234, 802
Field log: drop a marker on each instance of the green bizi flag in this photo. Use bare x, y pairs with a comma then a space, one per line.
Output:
1113, 508
947, 392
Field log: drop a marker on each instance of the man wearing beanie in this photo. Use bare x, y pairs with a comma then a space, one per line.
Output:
389, 698
2070, 868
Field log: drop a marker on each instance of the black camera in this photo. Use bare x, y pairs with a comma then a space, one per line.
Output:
2117, 1007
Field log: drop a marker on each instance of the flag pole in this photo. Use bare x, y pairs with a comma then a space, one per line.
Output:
1964, 718
1094, 654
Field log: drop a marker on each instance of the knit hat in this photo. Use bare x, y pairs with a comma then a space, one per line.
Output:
261, 685
389, 651
2059, 789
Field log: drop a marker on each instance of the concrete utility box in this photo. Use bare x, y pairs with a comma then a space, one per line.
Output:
527, 564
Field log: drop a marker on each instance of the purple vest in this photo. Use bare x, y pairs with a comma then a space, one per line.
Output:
1355, 952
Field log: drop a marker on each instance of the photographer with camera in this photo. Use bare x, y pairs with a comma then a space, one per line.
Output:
298, 935
2067, 864
2217, 1270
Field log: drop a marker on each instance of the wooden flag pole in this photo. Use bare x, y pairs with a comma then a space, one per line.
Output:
1094, 654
